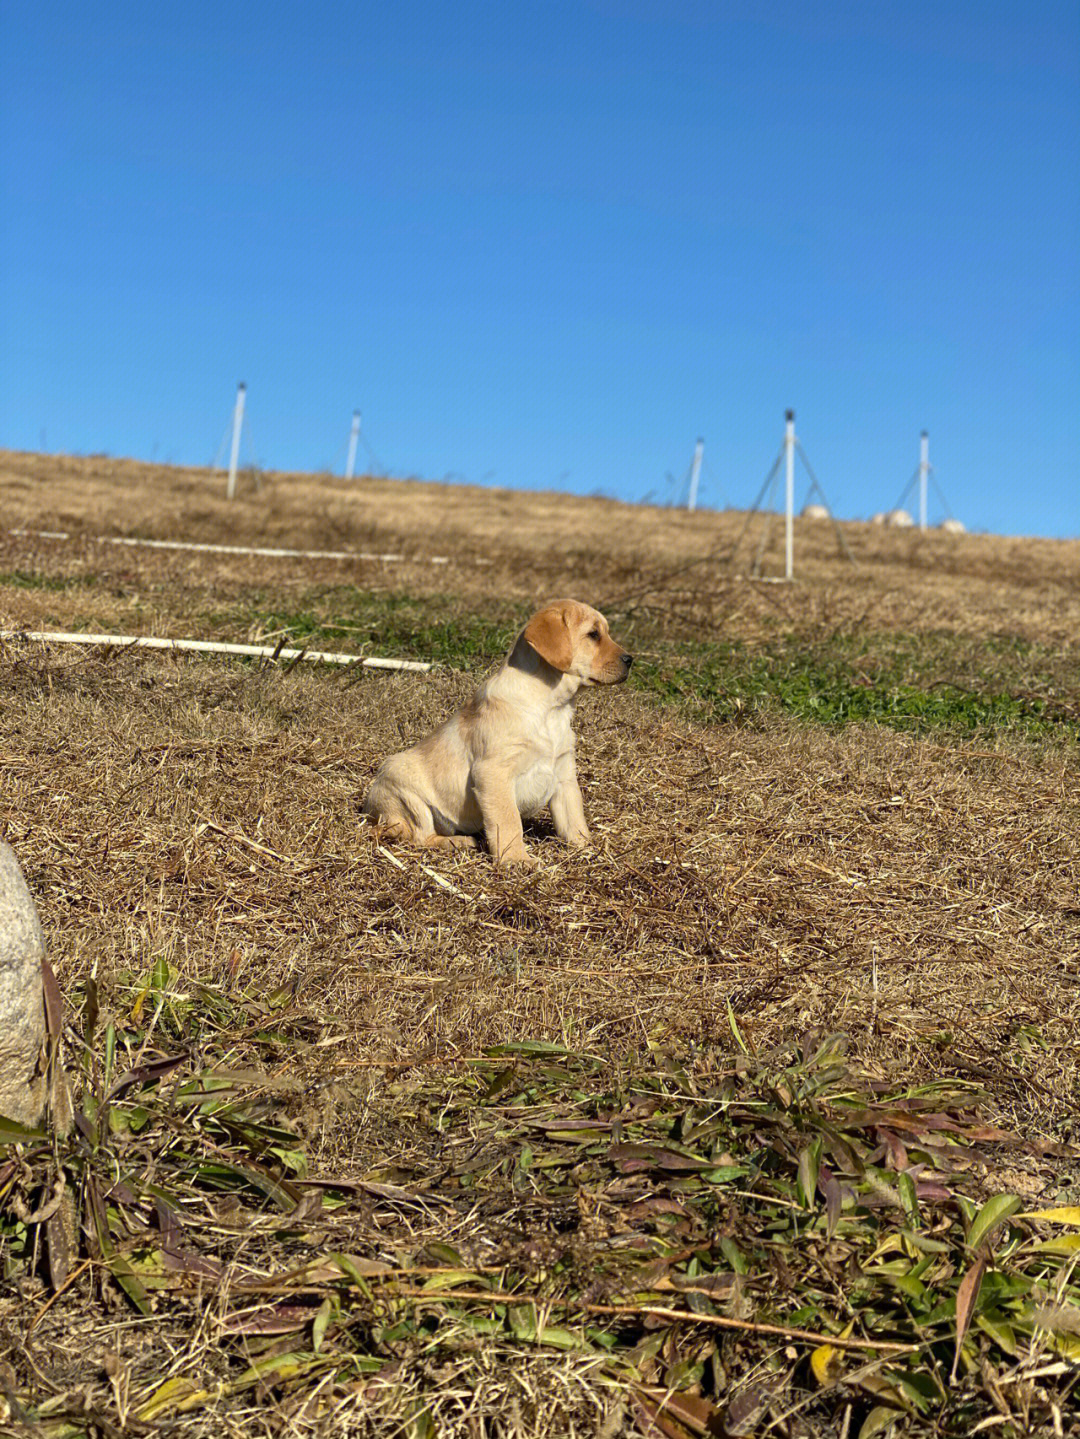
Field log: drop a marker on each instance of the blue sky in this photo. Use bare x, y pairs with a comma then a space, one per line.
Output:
549, 245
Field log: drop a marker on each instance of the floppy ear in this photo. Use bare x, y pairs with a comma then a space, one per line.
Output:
549, 635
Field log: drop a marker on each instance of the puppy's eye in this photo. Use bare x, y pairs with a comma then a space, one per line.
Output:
594, 634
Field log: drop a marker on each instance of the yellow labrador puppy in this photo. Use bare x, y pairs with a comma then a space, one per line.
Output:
510, 751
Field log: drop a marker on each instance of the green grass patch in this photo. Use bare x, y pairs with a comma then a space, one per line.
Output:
435, 628
32, 580
937, 680
910, 682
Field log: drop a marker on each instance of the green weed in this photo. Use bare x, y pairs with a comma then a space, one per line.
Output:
682, 1222
917, 682
436, 628
31, 580
838, 682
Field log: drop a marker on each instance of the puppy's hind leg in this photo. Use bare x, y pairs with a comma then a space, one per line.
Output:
410, 823
449, 841
395, 820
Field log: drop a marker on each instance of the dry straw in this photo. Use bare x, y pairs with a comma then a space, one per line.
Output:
191, 833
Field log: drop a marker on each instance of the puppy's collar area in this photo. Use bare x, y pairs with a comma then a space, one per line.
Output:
529, 661
533, 672
534, 660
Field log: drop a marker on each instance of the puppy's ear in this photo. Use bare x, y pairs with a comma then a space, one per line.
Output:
549, 635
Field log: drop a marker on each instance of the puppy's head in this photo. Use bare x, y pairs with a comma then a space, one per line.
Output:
574, 638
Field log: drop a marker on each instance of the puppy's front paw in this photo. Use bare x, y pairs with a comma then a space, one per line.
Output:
519, 859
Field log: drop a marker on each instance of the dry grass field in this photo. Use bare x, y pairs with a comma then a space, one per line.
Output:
758, 1118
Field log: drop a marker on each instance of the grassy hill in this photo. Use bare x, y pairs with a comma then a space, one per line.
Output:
746, 1121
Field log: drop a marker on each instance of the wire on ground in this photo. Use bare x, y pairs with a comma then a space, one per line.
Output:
273, 652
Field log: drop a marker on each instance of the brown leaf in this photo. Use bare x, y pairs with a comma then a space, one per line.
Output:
275, 1319
651, 1422
183, 1261
643, 1208
677, 1416
834, 1197
718, 1284
927, 1189
698, 1415
966, 1295
62, 1239
632, 1157
898, 1159
745, 1412
146, 1073
54, 1001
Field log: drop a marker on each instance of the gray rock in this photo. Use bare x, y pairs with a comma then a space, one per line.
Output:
23, 1033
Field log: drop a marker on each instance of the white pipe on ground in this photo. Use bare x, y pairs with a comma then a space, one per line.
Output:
214, 647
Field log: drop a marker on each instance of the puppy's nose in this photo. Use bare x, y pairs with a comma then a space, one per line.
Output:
627, 660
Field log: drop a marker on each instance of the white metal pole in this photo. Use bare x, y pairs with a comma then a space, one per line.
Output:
789, 496
237, 426
695, 474
924, 470
354, 435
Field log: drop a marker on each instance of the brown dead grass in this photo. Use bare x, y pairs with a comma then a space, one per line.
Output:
919, 896
539, 544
